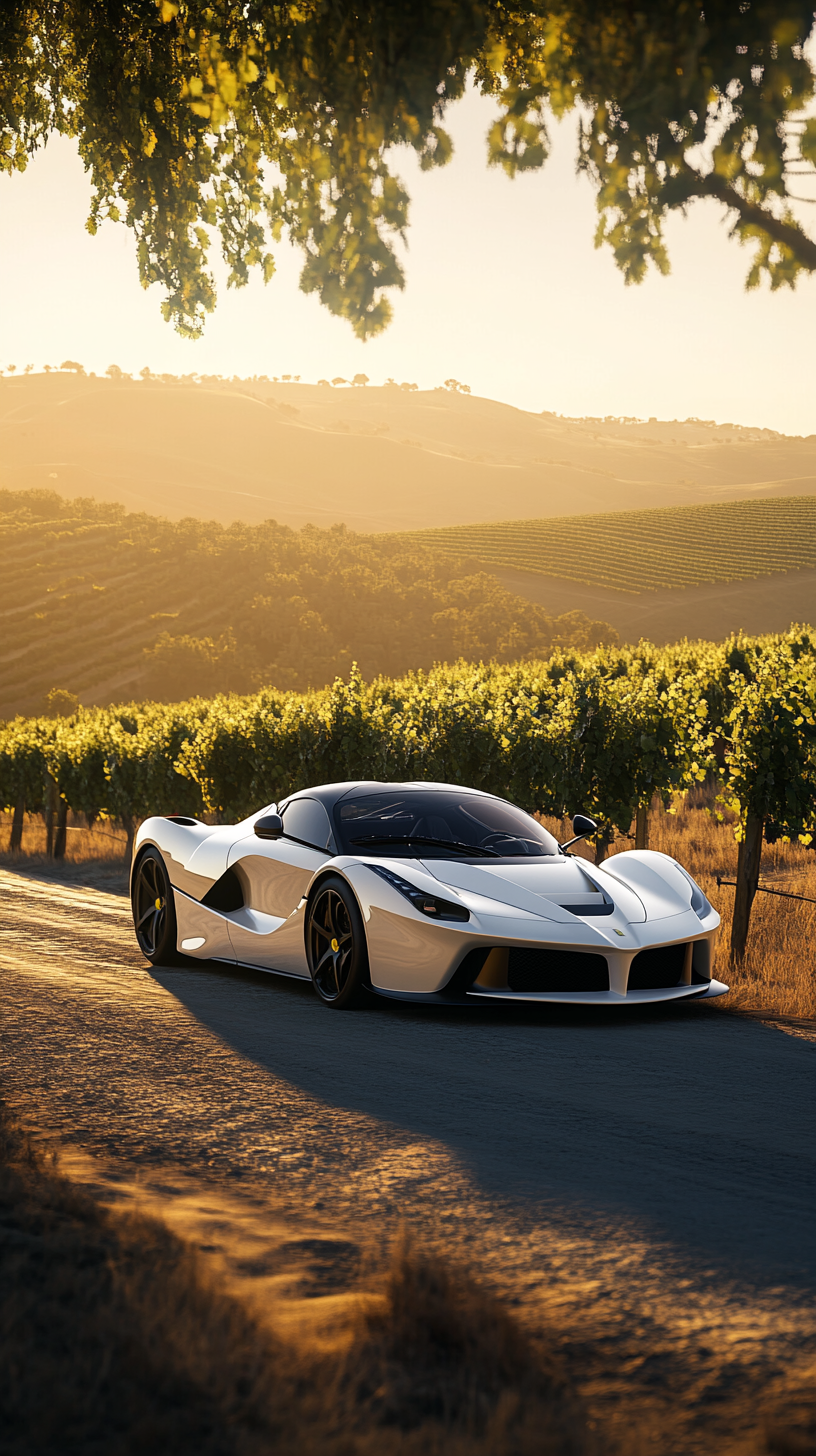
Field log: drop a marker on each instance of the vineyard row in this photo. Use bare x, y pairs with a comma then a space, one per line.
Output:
643, 550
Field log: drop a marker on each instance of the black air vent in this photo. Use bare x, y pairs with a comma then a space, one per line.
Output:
225, 895
657, 969
466, 973
556, 970
592, 907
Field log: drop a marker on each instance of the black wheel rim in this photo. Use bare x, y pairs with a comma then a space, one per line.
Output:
149, 905
331, 944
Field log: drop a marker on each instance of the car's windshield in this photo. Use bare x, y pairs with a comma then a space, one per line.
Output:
433, 823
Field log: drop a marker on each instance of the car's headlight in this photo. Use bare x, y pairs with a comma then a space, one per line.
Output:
430, 905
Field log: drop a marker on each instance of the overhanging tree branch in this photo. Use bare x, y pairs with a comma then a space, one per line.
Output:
788, 234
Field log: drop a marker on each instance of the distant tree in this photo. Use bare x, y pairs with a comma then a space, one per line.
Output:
46, 368
360, 379
338, 380
183, 667
285, 378
28, 368
60, 703
456, 388
73, 366
324, 381
390, 384
12, 368
296, 379
145, 373
114, 371
409, 386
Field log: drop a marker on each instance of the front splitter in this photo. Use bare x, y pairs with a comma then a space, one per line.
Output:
607, 998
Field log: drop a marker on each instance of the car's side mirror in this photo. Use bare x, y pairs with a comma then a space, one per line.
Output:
269, 826
582, 826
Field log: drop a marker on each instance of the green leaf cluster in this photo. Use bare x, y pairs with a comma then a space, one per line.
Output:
770, 756
246, 119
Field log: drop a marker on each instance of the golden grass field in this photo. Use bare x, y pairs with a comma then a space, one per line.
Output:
779, 972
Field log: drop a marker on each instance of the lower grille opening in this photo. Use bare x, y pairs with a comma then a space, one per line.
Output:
657, 969
556, 970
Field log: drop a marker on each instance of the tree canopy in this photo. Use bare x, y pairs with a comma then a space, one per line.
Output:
251, 119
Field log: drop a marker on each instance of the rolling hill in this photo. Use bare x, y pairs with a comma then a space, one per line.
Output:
109, 606
378, 459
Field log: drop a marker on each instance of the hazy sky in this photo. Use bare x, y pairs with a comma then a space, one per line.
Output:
505, 292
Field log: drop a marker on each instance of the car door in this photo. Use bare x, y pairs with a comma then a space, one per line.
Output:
275, 874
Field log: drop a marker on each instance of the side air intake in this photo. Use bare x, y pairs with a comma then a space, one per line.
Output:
226, 894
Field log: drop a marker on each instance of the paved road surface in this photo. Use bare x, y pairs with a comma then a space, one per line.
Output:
643, 1180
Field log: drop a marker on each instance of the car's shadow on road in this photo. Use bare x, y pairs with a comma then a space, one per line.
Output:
695, 1123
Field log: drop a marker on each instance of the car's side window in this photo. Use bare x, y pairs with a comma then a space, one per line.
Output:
307, 820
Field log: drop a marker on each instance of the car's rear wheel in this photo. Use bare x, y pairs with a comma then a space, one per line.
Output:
336, 945
154, 910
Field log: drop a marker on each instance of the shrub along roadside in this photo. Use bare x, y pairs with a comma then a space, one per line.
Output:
601, 732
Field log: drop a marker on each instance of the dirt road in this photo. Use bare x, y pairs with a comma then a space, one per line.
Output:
640, 1183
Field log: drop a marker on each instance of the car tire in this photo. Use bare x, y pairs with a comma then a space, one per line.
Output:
336, 948
154, 910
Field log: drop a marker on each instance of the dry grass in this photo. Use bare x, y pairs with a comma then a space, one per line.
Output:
114, 1338
779, 971
92, 856
106, 841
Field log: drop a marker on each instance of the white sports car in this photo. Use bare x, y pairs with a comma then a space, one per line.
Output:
424, 892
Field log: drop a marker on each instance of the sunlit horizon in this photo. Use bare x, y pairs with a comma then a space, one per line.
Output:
504, 292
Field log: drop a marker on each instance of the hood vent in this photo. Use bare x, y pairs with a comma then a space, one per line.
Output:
598, 906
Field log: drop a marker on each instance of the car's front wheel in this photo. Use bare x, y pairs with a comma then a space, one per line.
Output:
154, 910
336, 945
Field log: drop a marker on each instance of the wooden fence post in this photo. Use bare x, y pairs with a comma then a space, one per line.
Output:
748, 860
603, 839
48, 815
17, 826
62, 829
129, 826
642, 827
